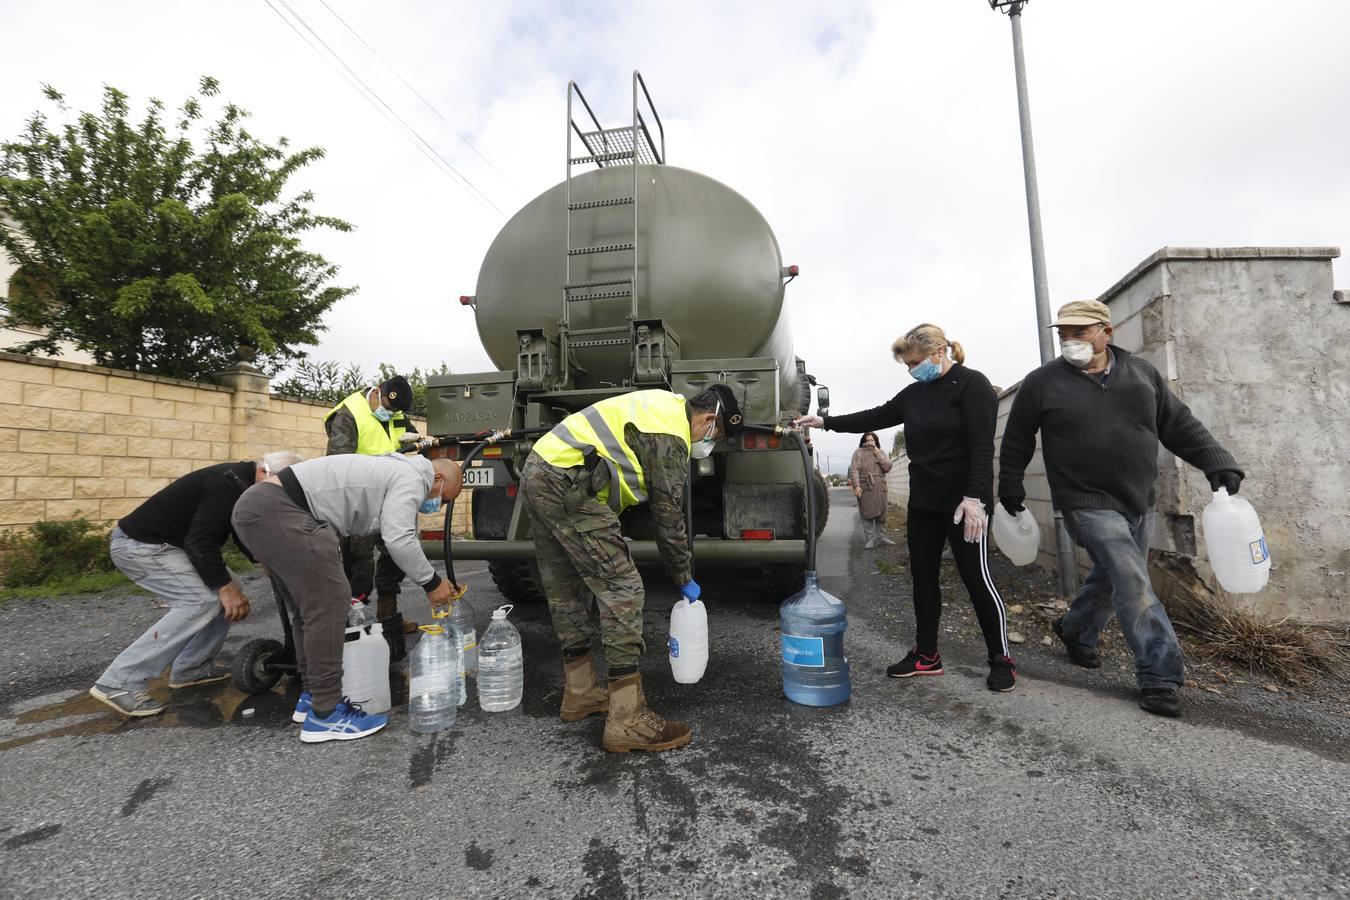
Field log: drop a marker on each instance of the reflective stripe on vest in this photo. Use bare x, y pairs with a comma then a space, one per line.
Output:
600, 428
371, 438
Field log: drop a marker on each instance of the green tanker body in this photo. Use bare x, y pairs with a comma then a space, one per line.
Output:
633, 274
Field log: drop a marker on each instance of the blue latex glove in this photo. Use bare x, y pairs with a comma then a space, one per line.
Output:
691, 591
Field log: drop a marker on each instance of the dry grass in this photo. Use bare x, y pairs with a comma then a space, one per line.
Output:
1293, 652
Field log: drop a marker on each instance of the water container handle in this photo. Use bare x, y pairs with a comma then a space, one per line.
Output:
502, 611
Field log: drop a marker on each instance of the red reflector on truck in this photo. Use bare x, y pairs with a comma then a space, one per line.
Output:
433, 535
511, 490
757, 534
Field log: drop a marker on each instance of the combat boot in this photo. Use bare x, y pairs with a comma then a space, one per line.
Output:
632, 725
582, 697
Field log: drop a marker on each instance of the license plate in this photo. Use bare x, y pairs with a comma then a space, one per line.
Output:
478, 476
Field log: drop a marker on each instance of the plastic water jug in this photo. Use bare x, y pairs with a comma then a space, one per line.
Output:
359, 614
1236, 544
462, 617
457, 638
432, 689
688, 641
815, 670
1019, 537
501, 665
365, 668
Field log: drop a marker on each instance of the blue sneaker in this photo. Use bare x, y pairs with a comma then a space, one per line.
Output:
345, 723
302, 708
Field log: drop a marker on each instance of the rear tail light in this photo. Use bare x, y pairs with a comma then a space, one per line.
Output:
757, 534
512, 490
445, 451
433, 535
751, 441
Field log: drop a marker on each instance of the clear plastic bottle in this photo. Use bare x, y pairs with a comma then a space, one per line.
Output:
359, 615
501, 665
433, 687
462, 616
815, 670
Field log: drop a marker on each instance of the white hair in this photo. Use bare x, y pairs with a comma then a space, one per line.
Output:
274, 462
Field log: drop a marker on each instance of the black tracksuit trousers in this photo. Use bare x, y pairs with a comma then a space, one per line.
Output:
926, 533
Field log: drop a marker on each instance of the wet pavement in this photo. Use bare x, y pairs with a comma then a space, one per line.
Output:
936, 788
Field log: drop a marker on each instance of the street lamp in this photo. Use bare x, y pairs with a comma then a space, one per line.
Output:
1068, 567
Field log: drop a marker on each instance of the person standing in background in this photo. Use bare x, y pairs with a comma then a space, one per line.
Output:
867, 478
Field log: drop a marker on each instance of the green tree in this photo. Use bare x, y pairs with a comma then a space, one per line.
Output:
162, 248
898, 443
331, 382
328, 382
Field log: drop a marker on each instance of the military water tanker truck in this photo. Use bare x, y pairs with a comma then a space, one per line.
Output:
634, 274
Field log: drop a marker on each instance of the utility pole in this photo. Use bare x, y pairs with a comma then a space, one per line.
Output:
1064, 552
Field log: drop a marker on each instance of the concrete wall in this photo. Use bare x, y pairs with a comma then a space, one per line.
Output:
1253, 340
79, 440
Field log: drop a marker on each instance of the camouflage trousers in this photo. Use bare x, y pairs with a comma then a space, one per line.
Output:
583, 562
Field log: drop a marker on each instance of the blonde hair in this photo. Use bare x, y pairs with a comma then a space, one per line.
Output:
928, 339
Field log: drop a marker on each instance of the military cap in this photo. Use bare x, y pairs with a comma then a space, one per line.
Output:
731, 410
398, 392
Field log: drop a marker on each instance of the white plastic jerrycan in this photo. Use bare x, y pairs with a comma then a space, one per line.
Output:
1236, 544
688, 641
365, 668
1019, 537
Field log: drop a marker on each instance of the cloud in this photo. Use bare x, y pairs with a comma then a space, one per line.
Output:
879, 139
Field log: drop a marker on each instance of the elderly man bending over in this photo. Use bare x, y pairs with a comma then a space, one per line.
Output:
294, 522
170, 545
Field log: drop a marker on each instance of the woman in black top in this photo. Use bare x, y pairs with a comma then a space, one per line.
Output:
949, 416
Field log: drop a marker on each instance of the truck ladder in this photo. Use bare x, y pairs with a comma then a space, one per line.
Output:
629, 145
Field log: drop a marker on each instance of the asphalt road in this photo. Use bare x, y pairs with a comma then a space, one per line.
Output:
929, 787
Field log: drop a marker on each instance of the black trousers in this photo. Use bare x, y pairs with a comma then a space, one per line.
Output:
926, 534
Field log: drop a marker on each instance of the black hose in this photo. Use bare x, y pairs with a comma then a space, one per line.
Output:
450, 507
810, 501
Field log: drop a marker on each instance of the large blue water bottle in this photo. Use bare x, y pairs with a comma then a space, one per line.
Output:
815, 671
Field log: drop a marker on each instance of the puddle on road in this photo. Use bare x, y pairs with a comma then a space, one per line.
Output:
210, 706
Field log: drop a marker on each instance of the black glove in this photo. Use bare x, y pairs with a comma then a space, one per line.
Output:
1228, 479
1013, 504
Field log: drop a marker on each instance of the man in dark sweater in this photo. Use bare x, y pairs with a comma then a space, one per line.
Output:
170, 545
1101, 413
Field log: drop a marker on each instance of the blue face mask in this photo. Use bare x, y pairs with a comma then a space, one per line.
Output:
384, 415
430, 505
926, 371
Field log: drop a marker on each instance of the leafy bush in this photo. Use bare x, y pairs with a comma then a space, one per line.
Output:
53, 551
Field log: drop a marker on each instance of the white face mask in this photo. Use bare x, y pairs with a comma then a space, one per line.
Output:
1077, 353
704, 448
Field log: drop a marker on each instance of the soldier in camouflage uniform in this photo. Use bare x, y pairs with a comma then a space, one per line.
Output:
584, 560
381, 413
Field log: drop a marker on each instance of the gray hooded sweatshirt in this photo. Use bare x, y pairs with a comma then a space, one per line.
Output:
359, 495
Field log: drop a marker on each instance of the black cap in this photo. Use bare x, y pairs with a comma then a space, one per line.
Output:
398, 392
731, 410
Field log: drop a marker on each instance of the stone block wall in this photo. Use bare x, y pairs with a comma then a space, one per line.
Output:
79, 440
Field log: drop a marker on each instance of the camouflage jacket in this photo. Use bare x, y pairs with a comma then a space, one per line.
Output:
665, 467
341, 428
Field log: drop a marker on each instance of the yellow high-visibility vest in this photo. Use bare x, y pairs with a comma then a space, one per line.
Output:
600, 428
371, 437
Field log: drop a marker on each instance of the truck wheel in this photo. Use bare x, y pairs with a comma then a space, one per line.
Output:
822, 501
782, 580
517, 582
250, 672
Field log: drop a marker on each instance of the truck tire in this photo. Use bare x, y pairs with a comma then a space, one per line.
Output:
517, 581
822, 501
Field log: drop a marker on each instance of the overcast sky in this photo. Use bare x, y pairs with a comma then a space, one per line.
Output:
879, 139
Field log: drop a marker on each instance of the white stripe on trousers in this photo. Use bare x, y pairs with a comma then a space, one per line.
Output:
998, 598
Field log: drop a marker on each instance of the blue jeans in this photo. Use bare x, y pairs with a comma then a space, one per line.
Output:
1119, 585
191, 632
